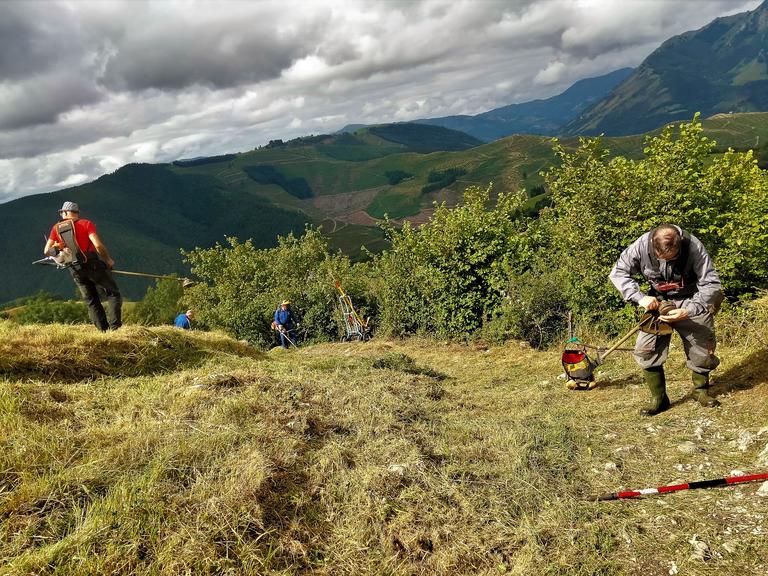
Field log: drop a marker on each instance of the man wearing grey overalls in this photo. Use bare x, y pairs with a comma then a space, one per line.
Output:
678, 269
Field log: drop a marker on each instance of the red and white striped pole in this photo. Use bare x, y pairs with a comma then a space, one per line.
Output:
689, 486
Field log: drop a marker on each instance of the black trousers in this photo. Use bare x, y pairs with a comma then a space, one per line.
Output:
89, 277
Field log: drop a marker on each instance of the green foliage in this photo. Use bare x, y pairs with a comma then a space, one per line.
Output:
160, 305
537, 190
45, 308
243, 286
394, 177
534, 310
762, 155
265, 174
448, 276
441, 178
602, 204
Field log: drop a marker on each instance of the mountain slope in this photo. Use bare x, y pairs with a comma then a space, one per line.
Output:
543, 117
146, 213
723, 67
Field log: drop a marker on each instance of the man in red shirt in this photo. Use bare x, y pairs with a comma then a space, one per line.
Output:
91, 265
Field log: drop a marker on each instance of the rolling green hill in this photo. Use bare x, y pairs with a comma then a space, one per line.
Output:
146, 213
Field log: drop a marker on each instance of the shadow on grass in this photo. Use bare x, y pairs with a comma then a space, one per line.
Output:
750, 372
623, 382
136, 351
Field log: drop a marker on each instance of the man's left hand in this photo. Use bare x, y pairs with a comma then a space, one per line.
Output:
675, 315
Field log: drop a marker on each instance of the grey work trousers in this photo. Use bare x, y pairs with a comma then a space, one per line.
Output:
699, 342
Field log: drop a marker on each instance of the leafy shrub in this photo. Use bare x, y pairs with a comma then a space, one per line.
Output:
244, 285
45, 308
266, 174
447, 277
534, 309
601, 205
160, 305
537, 190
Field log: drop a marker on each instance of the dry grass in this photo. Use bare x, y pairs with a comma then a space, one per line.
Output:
198, 455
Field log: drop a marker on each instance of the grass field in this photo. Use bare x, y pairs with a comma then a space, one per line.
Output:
169, 452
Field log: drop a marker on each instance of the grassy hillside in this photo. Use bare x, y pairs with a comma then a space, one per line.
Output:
169, 452
146, 213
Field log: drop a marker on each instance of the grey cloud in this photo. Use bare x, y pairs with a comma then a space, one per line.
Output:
211, 49
155, 80
34, 37
41, 100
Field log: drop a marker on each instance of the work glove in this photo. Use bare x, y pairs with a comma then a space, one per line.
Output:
649, 303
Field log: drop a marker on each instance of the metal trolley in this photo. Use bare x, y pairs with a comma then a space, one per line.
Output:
356, 328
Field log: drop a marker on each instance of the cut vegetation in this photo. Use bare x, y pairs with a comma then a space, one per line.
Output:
168, 452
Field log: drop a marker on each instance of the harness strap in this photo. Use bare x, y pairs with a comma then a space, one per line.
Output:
66, 230
681, 272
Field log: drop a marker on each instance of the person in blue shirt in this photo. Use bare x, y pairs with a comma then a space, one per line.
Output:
184, 320
286, 324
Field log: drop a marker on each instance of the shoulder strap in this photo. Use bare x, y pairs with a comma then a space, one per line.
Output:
66, 230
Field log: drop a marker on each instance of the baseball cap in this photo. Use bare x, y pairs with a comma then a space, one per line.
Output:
69, 207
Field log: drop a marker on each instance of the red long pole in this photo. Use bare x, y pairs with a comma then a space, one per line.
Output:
688, 486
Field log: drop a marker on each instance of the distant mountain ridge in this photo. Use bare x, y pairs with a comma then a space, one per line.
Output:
544, 117
720, 68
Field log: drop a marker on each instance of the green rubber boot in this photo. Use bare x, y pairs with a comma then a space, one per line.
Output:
701, 390
657, 384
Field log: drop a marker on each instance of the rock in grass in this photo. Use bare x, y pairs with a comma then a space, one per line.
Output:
687, 447
763, 490
762, 458
701, 551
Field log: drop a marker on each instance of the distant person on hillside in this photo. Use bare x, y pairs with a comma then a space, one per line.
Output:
285, 323
679, 270
90, 265
184, 320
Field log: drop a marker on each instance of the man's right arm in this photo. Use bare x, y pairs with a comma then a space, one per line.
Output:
626, 266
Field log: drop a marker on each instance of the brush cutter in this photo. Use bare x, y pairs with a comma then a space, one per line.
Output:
579, 367
282, 331
64, 260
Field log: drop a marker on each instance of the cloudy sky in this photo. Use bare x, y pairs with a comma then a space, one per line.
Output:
88, 86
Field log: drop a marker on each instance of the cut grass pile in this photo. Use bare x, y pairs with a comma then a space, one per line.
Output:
408, 457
